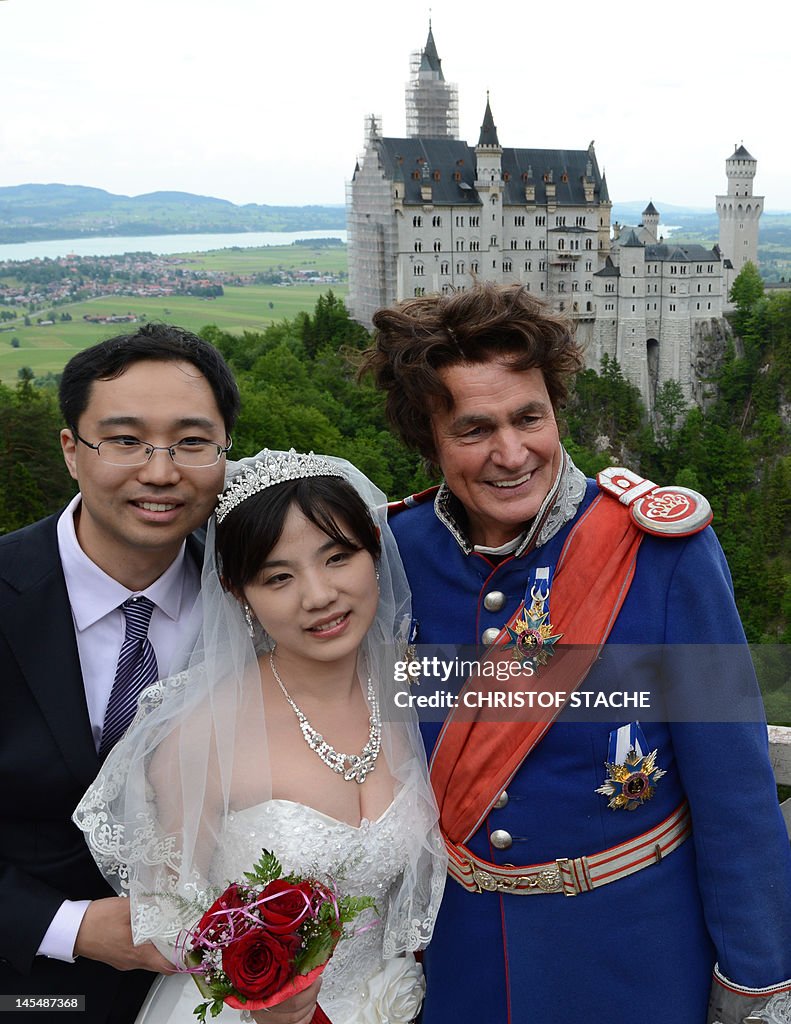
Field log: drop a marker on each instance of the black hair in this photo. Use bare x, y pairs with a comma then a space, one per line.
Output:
250, 531
155, 341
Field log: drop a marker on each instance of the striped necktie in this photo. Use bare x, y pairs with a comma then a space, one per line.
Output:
137, 668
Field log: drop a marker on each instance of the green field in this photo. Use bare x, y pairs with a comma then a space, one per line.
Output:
47, 349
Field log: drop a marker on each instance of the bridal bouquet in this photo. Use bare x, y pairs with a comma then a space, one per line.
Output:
266, 939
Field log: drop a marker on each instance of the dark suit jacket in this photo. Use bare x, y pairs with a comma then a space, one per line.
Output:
47, 761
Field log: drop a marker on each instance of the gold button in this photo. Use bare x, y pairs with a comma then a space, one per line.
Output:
502, 800
500, 839
494, 601
490, 635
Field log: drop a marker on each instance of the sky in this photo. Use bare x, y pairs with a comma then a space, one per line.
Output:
264, 101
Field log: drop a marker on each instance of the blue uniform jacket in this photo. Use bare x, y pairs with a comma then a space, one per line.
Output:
642, 948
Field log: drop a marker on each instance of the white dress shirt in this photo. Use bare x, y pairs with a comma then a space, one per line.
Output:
100, 626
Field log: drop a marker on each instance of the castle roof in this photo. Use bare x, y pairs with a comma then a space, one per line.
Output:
662, 253
651, 210
632, 241
451, 164
488, 136
608, 270
741, 153
430, 60
604, 192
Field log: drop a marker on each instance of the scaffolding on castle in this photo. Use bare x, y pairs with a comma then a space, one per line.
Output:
432, 104
372, 235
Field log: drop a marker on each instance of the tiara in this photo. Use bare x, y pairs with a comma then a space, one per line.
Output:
269, 469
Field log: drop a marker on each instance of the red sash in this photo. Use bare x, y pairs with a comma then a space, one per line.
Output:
474, 760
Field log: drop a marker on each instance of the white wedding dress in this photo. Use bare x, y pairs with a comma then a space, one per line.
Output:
358, 986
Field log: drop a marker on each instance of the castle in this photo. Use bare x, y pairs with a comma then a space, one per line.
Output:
430, 213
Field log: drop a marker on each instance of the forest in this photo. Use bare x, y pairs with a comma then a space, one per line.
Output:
299, 388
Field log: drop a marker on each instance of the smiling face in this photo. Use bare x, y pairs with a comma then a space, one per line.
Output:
132, 520
498, 447
315, 596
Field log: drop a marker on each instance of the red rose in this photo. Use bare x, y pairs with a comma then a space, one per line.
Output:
214, 922
285, 905
259, 963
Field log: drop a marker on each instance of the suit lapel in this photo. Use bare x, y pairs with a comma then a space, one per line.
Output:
39, 630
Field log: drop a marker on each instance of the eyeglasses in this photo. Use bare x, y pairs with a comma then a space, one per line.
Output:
191, 452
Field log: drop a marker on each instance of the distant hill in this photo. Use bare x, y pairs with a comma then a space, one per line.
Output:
33, 212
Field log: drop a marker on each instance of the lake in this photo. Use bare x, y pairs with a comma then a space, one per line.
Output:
162, 245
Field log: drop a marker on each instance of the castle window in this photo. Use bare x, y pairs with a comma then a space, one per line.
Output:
588, 243
541, 221
528, 243
437, 246
474, 267
475, 245
575, 286
417, 270
493, 240
436, 221
561, 286
634, 270
418, 246
460, 221
459, 245
560, 222
507, 266
417, 222
474, 222
542, 286
634, 310
444, 267
457, 175
542, 265
446, 289
460, 268
588, 286
588, 265
436, 175
672, 307
514, 243
420, 291
708, 305
528, 266
561, 243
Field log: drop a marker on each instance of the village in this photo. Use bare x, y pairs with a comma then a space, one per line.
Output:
41, 284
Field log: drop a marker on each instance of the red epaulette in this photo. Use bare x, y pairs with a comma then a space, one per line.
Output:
411, 501
662, 511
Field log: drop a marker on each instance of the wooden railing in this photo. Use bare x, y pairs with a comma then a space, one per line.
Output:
780, 753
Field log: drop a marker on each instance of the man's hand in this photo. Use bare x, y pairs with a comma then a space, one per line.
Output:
106, 934
298, 1009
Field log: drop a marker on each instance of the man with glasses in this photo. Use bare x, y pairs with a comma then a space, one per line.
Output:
94, 604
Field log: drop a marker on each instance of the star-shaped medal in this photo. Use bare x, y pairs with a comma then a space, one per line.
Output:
632, 783
531, 638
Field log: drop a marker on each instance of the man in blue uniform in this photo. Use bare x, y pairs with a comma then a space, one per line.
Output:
662, 824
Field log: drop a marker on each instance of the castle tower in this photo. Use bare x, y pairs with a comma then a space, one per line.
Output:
432, 104
489, 185
739, 212
651, 220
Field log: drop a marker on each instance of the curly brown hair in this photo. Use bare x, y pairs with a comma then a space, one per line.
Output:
416, 339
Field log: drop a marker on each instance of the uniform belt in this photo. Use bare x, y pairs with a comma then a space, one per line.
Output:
572, 875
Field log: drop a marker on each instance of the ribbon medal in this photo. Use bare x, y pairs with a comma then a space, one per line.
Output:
631, 776
532, 637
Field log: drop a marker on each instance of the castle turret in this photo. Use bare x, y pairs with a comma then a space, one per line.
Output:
651, 220
432, 104
739, 212
489, 185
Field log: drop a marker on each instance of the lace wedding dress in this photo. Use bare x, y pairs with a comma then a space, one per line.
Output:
359, 986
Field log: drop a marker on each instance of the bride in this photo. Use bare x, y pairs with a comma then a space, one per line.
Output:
281, 734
